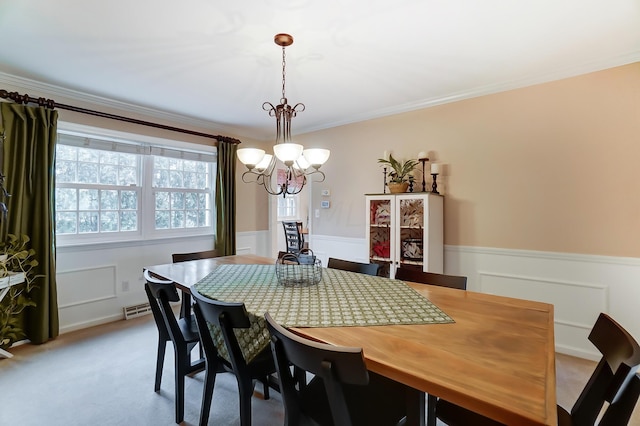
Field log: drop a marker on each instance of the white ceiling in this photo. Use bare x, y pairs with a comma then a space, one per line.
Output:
214, 62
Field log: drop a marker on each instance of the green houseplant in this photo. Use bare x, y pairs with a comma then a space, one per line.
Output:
16, 258
400, 173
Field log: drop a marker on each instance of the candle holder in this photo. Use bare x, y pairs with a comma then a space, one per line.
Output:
384, 183
434, 185
424, 183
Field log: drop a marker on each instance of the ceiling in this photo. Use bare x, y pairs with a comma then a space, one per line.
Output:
214, 63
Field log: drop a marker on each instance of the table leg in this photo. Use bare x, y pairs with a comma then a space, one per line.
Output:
415, 407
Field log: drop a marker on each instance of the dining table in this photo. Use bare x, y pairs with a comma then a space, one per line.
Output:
491, 354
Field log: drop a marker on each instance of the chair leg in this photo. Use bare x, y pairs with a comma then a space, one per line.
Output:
246, 392
207, 394
181, 371
162, 346
265, 387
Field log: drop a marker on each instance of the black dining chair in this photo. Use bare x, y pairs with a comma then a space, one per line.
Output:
294, 239
432, 278
197, 255
182, 332
227, 316
348, 265
342, 391
185, 309
614, 381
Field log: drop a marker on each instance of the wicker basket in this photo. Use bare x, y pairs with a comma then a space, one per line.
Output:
303, 269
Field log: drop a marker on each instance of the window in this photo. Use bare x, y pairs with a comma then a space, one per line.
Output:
288, 207
114, 190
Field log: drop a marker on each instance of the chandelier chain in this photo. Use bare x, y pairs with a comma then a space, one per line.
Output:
284, 63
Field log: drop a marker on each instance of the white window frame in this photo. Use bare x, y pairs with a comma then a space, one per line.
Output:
146, 202
295, 199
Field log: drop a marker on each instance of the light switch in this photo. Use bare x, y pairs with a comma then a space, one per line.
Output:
317, 213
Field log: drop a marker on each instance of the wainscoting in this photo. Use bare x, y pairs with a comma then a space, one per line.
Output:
96, 283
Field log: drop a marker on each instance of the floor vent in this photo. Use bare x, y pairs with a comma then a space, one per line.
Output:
136, 311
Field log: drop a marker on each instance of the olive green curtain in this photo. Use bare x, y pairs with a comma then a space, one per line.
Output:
28, 164
226, 198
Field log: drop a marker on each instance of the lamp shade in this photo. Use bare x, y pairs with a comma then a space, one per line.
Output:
250, 156
288, 152
264, 163
316, 156
301, 163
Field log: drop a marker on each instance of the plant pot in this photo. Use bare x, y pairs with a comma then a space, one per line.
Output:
398, 187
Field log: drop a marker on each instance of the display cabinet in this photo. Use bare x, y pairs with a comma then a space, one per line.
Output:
405, 230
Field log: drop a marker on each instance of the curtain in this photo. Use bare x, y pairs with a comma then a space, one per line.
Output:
28, 164
226, 198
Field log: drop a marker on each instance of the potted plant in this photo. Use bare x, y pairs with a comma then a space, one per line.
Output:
400, 173
16, 261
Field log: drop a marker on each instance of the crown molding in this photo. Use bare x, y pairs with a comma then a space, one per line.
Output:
51, 91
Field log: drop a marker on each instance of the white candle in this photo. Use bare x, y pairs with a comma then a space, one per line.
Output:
422, 155
435, 168
385, 155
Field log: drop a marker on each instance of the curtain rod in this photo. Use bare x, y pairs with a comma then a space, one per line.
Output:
51, 104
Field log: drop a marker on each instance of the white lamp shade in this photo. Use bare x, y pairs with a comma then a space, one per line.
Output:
264, 163
250, 156
288, 152
301, 163
316, 156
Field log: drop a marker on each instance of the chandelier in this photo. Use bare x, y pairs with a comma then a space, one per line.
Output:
299, 162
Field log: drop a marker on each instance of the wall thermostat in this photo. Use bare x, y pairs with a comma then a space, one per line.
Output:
325, 204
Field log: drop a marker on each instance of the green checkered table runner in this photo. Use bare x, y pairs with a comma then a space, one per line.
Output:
340, 299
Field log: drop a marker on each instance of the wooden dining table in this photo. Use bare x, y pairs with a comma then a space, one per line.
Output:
497, 358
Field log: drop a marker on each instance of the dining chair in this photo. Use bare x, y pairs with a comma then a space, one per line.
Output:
342, 391
185, 308
223, 351
614, 381
348, 265
183, 257
293, 236
181, 332
442, 280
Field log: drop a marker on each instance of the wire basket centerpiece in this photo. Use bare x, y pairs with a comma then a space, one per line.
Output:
302, 269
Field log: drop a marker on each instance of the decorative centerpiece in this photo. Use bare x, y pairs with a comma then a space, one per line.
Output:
302, 269
400, 174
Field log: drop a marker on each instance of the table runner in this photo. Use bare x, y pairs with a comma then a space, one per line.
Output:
340, 299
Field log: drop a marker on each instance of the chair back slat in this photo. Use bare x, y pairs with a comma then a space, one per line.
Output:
293, 236
183, 257
442, 280
348, 265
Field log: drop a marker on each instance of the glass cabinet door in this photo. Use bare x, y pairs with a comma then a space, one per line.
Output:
411, 227
380, 217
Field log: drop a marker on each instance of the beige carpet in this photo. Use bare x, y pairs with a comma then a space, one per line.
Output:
104, 376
